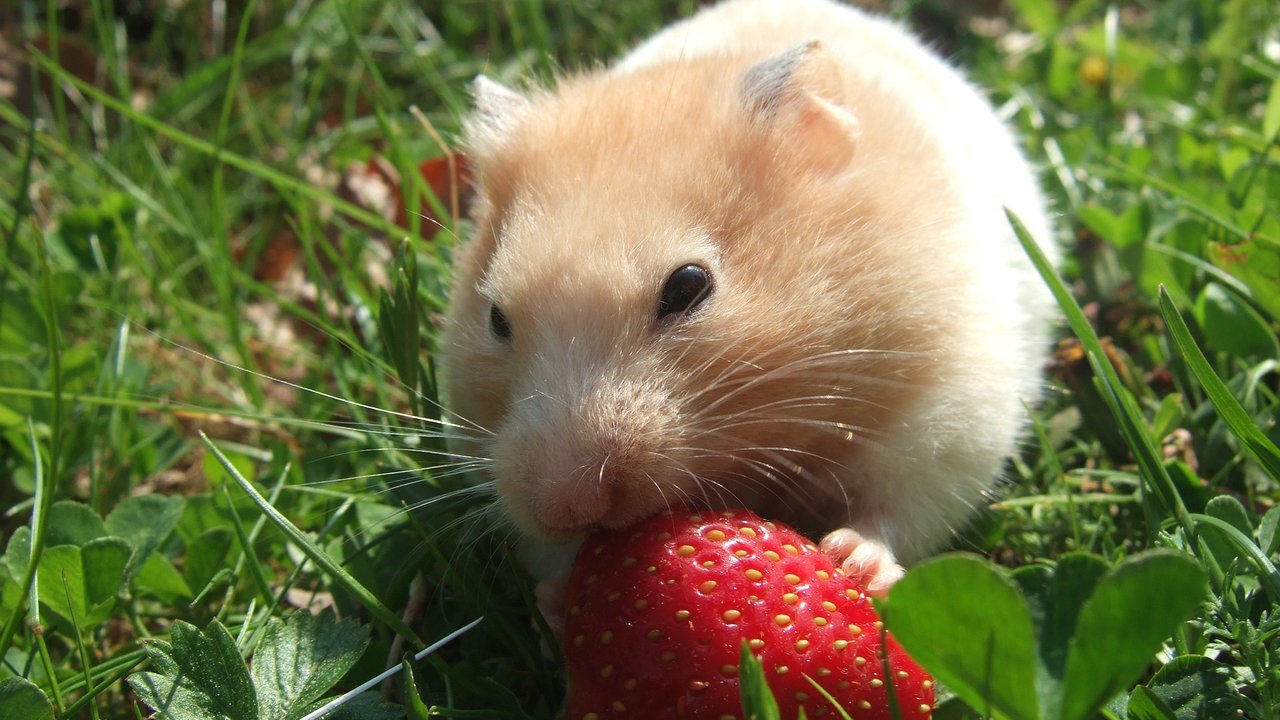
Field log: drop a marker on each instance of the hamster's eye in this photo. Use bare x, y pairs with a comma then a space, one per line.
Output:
498, 323
687, 287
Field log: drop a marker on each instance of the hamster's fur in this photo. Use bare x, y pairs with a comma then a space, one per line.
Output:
873, 329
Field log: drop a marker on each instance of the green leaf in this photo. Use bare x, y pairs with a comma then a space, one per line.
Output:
1231, 326
300, 658
964, 620
1145, 705
1054, 598
18, 552
1233, 414
1195, 687
1256, 264
1268, 537
144, 522
199, 676
1230, 511
73, 523
1135, 607
85, 580
20, 698
159, 578
10, 593
1039, 15
206, 556
757, 699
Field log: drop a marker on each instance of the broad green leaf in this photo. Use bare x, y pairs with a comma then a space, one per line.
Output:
1231, 326
73, 523
1054, 598
144, 521
1230, 511
964, 620
1255, 263
1145, 705
198, 676
1242, 426
1268, 536
300, 658
757, 699
21, 699
159, 578
206, 556
18, 552
86, 580
1039, 15
10, 593
1134, 608
1195, 687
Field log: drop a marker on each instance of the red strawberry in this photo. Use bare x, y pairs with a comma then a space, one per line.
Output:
658, 613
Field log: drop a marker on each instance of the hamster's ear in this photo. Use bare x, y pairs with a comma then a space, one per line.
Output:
799, 95
498, 109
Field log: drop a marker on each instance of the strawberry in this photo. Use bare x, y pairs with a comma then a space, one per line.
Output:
658, 612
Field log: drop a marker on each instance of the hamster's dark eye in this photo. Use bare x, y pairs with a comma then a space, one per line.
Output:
498, 324
687, 287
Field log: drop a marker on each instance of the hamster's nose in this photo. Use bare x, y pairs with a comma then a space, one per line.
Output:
576, 504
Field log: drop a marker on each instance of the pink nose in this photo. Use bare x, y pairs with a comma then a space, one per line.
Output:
576, 504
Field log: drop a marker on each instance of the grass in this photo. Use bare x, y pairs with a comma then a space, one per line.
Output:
183, 254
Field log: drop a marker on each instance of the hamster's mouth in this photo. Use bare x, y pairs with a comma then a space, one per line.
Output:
614, 520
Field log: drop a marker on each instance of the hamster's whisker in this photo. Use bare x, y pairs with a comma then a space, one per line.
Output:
329, 396
849, 431
781, 474
793, 367
739, 365
407, 451
797, 403
384, 430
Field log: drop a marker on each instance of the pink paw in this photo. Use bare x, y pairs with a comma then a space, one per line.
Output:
868, 562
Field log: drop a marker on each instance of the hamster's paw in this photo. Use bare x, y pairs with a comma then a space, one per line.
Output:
868, 562
550, 597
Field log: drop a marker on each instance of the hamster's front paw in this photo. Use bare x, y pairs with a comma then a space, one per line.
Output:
868, 562
550, 597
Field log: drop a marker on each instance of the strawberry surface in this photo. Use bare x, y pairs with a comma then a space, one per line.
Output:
657, 614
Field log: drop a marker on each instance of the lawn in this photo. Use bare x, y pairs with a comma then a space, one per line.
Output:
227, 232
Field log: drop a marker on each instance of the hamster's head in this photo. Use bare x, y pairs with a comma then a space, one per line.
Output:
646, 313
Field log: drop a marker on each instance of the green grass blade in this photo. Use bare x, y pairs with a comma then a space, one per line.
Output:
1114, 393
246, 544
1230, 409
339, 576
240, 162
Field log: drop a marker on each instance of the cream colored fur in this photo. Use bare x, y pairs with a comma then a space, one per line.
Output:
874, 329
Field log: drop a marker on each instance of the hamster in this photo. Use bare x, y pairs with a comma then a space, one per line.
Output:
762, 261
